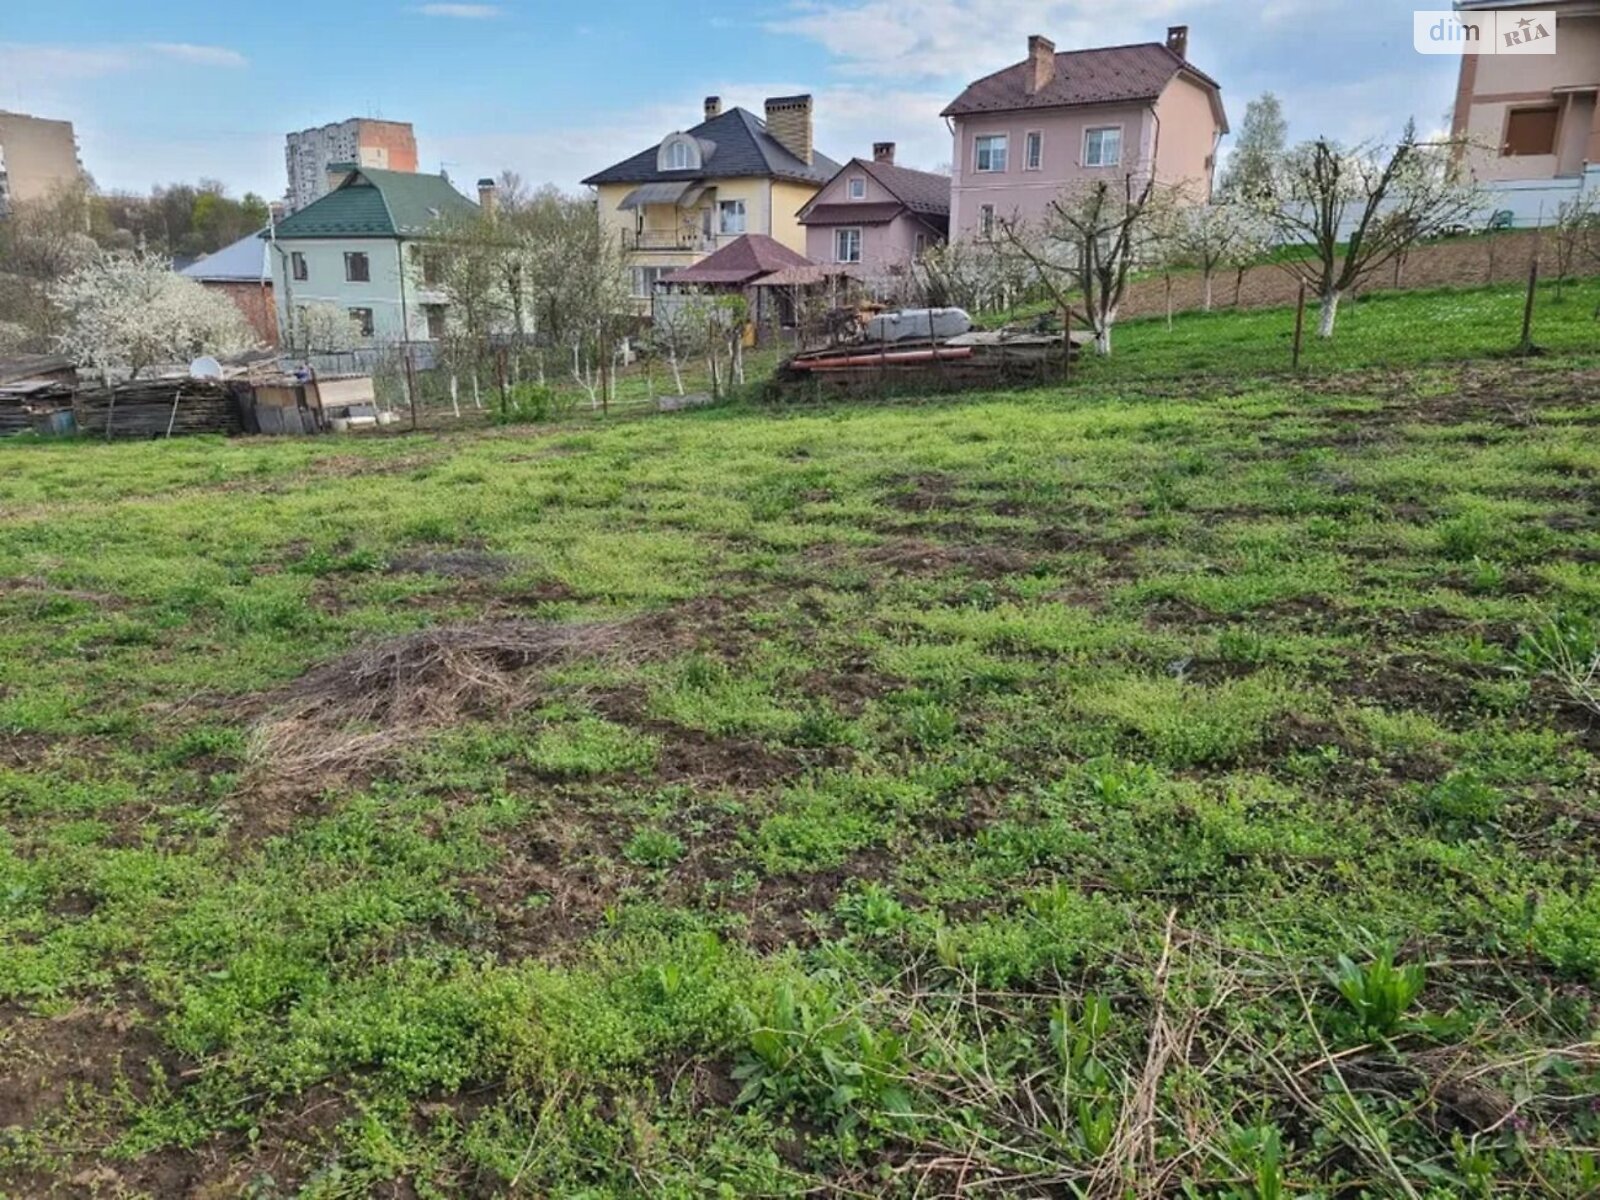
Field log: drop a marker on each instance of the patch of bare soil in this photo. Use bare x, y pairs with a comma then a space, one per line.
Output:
452, 564
43, 589
913, 556
929, 491
45, 1058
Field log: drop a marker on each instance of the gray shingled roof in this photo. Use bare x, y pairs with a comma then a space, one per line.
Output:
244, 261
1110, 75
734, 145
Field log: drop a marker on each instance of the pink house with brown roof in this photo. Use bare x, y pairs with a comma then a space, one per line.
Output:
875, 216
1054, 119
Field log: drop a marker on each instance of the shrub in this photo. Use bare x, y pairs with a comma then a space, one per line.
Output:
528, 403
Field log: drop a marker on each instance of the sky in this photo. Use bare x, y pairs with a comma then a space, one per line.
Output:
179, 90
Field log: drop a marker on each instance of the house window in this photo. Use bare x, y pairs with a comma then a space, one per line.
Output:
991, 153
847, 245
435, 315
1033, 151
645, 280
679, 152
1102, 147
432, 265
986, 220
355, 267
363, 318
297, 265
1530, 131
858, 188
921, 245
731, 215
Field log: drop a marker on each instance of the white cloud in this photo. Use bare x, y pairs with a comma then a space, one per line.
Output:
956, 38
462, 12
200, 56
41, 67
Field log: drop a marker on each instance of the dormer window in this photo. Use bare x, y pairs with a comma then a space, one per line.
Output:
679, 152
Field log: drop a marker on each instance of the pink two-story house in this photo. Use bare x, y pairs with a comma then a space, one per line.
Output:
1054, 119
877, 216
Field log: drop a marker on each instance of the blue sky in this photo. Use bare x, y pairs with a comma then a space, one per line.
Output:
184, 89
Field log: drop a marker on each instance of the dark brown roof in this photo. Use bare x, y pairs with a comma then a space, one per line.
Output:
873, 212
1111, 75
741, 260
923, 193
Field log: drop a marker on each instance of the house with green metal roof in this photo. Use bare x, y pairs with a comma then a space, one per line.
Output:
363, 248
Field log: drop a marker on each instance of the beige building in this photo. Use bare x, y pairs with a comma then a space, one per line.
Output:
1530, 121
37, 156
698, 190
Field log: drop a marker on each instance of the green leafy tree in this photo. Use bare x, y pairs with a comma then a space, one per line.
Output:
1263, 137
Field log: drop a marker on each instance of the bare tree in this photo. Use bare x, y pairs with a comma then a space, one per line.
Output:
678, 332
1575, 232
1355, 210
1091, 236
41, 242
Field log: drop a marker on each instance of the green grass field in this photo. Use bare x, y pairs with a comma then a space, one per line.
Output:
1166, 786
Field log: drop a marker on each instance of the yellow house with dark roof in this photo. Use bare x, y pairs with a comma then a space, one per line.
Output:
697, 190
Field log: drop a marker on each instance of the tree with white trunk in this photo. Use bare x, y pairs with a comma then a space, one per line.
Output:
1352, 210
1210, 236
124, 313
1092, 235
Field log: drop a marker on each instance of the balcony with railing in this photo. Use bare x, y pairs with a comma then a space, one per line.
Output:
689, 241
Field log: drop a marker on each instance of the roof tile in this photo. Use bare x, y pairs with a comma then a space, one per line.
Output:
741, 260
1108, 75
736, 144
373, 203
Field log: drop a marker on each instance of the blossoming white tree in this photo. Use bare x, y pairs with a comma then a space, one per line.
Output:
325, 328
128, 312
1091, 236
1354, 210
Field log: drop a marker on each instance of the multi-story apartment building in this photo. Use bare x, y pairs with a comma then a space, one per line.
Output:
381, 145
37, 156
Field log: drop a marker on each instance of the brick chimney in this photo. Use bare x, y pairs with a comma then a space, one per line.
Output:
883, 152
1041, 63
789, 121
1178, 41
713, 107
488, 197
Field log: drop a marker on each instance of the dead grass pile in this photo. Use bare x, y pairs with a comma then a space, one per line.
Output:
344, 717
